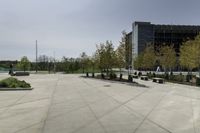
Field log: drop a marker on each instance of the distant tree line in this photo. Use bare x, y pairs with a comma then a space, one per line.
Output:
106, 57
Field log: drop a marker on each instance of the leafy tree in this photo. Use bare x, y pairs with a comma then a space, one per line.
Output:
120, 55
43, 62
149, 57
24, 63
137, 61
93, 62
106, 56
197, 51
84, 61
167, 57
51, 64
188, 55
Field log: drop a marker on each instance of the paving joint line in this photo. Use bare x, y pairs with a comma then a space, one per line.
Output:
145, 118
93, 114
91, 111
192, 108
5, 117
28, 126
24, 103
8, 107
52, 96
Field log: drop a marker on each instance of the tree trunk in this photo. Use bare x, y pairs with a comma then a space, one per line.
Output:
107, 71
93, 68
83, 70
199, 71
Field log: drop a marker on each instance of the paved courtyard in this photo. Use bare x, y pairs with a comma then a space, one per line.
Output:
70, 104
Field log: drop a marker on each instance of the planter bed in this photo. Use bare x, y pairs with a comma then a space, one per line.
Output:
118, 80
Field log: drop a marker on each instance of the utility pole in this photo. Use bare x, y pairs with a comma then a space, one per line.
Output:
36, 54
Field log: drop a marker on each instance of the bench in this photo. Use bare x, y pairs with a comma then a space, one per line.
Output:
159, 80
144, 78
21, 74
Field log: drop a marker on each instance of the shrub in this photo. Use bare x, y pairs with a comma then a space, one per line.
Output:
93, 75
87, 74
198, 81
150, 75
120, 77
178, 78
188, 77
113, 75
14, 83
130, 78
102, 76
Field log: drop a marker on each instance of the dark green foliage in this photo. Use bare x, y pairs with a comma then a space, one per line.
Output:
150, 75
93, 75
102, 76
188, 77
177, 78
120, 77
113, 75
14, 83
198, 81
167, 76
130, 78
87, 74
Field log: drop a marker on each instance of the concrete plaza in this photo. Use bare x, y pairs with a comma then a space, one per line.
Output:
71, 104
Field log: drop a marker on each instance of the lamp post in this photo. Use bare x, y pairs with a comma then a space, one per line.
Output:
36, 56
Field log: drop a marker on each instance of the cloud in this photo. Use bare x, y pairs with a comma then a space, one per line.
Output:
70, 27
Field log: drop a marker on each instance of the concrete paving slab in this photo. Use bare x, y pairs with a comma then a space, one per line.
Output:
36, 128
196, 114
149, 127
104, 106
92, 128
12, 124
65, 107
146, 102
69, 122
121, 120
70, 104
175, 114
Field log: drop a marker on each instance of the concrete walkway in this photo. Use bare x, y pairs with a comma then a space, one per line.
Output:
70, 104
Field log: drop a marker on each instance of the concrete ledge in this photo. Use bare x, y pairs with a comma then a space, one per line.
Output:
15, 89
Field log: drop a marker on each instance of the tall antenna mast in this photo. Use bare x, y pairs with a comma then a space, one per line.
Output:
54, 64
36, 54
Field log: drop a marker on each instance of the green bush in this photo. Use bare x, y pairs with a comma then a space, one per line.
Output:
151, 75
14, 83
188, 77
178, 78
113, 75
198, 81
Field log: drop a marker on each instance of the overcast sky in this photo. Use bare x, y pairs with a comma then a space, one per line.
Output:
70, 27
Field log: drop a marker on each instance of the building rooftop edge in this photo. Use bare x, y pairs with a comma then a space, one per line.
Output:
149, 23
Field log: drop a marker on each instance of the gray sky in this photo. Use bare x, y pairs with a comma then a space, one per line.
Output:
70, 27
